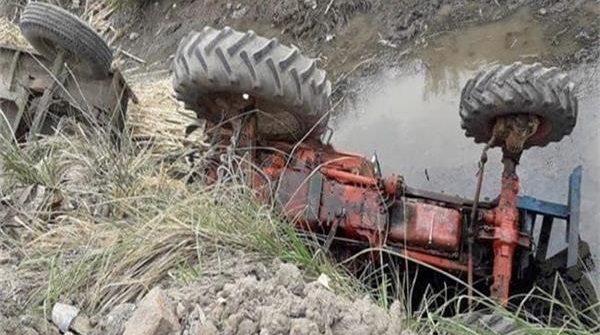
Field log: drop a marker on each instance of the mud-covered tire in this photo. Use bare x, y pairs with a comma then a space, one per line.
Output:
519, 89
288, 88
49, 28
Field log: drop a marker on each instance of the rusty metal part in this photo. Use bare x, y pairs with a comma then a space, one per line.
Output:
512, 132
322, 190
25, 76
439, 262
505, 221
58, 74
418, 224
482, 160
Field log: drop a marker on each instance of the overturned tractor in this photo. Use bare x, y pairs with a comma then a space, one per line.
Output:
270, 103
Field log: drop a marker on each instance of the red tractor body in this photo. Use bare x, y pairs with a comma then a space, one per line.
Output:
343, 195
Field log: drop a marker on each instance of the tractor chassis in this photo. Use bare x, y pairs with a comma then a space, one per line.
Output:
338, 194
34, 91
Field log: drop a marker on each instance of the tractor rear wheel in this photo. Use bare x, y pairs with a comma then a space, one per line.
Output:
213, 69
519, 89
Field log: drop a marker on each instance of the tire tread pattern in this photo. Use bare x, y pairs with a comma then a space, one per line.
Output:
519, 89
212, 62
45, 22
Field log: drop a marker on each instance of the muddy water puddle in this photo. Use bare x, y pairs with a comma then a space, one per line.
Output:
409, 116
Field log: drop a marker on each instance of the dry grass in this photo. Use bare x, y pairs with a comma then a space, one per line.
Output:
10, 34
133, 223
158, 118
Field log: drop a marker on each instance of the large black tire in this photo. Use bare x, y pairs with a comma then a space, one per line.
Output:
289, 89
49, 28
519, 89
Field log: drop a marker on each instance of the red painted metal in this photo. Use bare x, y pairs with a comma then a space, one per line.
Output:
439, 262
505, 237
351, 199
428, 226
347, 177
320, 190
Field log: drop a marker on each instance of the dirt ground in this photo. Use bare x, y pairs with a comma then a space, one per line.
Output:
343, 32
245, 296
236, 295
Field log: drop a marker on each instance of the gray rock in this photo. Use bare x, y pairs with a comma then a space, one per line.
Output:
63, 315
153, 316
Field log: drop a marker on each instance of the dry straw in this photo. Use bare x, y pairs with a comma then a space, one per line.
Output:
10, 34
158, 117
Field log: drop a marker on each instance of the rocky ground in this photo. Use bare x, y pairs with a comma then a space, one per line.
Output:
247, 298
238, 294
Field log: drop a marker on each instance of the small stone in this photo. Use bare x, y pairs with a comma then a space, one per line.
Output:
229, 6
324, 281
180, 310
25, 320
543, 11
239, 13
153, 316
63, 315
583, 35
133, 36
81, 325
310, 3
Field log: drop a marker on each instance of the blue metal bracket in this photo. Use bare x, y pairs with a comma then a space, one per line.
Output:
551, 211
542, 207
575, 211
